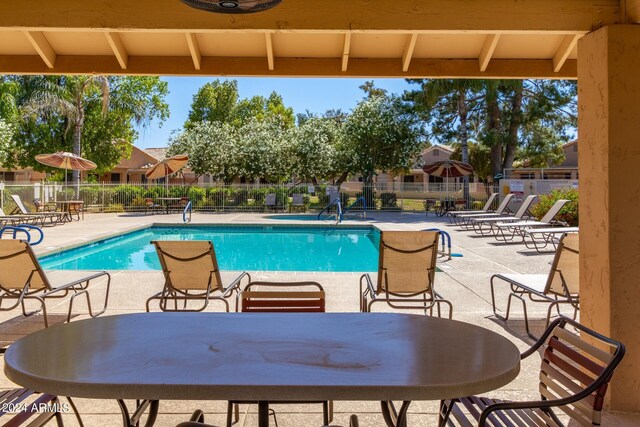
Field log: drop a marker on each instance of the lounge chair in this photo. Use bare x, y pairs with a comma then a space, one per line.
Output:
279, 297
574, 374
191, 273
485, 209
560, 286
508, 231
523, 214
297, 203
53, 217
503, 209
406, 273
20, 219
542, 237
23, 279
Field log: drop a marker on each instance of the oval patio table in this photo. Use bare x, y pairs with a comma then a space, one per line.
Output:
264, 357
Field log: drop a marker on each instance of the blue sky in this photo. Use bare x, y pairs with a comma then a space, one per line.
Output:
315, 95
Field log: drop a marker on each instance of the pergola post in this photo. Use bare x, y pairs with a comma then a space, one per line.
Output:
609, 134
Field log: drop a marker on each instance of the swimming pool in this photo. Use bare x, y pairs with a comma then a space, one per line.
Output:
269, 248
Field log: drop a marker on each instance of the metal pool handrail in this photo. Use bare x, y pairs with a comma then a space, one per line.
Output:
189, 209
338, 213
364, 207
26, 229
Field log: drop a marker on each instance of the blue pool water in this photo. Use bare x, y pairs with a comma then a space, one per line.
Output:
272, 248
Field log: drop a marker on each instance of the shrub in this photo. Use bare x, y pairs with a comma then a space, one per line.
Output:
114, 208
123, 195
216, 197
241, 197
389, 200
568, 214
196, 194
477, 205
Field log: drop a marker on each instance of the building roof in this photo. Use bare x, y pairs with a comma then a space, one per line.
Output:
157, 153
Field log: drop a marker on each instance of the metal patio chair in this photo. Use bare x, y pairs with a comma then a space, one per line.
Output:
406, 273
508, 231
53, 217
522, 214
485, 209
464, 219
282, 297
197, 420
27, 407
22, 279
577, 365
560, 286
191, 273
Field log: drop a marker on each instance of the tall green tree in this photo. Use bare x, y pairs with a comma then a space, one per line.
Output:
381, 134
100, 114
214, 102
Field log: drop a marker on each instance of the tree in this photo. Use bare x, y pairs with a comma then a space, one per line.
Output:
262, 150
211, 148
313, 150
6, 140
214, 102
381, 134
106, 134
261, 109
452, 107
70, 101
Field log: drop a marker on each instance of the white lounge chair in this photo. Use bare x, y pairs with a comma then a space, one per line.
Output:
542, 237
503, 209
508, 231
523, 213
485, 209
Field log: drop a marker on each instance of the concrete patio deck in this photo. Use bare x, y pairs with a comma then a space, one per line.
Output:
463, 279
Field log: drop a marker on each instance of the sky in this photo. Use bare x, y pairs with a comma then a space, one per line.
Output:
302, 94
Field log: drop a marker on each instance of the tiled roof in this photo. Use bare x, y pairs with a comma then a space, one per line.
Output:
157, 153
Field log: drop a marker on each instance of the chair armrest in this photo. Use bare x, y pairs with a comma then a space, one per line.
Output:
235, 285
69, 285
369, 284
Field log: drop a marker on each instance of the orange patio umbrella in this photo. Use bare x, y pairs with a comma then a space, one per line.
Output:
167, 167
67, 161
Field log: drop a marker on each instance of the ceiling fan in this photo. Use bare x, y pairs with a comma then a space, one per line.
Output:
233, 6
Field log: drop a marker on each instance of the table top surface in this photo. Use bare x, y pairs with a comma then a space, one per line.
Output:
168, 198
258, 356
70, 201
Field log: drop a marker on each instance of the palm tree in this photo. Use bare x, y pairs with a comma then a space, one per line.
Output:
69, 97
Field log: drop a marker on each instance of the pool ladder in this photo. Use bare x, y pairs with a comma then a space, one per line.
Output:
338, 210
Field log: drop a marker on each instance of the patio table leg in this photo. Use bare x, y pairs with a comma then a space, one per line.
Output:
263, 414
134, 419
392, 417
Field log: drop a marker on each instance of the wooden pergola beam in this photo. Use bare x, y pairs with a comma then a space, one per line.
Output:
407, 54
565, 48
346, 49
118, 49
194, 49
288, 67
406, 16
42, 46
487, 51
270, 56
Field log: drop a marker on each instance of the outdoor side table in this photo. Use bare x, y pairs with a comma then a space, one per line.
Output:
264, 357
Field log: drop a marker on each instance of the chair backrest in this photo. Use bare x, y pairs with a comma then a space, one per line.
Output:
554, 210
490, 200
297, 199
407, 262
526, 204
502, 208
19, 267
189, 264
565, 268
19, 204
148, 201
270, 200
287, 297
38, 204
577, 362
